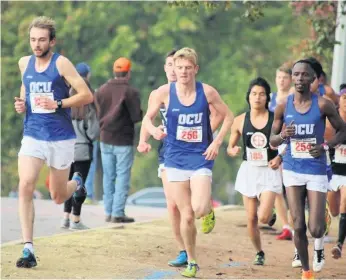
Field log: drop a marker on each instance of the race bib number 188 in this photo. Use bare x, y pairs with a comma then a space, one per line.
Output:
300, 147
189, 134
34, 102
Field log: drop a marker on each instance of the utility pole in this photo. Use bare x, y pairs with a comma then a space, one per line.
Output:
339, 57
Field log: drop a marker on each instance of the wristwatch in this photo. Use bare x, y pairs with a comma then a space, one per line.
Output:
59, 103
325, 146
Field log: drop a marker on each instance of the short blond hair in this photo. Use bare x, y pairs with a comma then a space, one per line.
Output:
284, 68
187, 53
44, 23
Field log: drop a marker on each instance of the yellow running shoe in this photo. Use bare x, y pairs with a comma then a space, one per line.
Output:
88, 201
208, 222
328, 218
191, 270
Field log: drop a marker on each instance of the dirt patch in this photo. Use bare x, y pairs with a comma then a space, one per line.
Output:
143, 250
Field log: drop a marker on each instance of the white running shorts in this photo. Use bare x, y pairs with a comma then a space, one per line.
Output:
57, 154
180, 175
253, 180
318, 183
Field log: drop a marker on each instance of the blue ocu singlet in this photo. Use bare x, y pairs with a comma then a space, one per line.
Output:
43, 125
188, 132
310, 128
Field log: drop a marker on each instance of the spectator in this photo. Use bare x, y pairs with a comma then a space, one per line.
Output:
86, 128
118, 109
89, 183
84, 70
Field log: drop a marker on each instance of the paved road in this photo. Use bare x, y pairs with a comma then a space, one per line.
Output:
49, 215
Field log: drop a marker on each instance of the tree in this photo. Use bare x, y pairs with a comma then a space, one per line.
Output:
320, 16
232, 51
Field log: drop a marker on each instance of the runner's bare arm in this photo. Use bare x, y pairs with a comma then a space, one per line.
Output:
329, 110
329, 132
330, 94
275, 138
236, 131
19, 103
144, 133
215, 118
221, 108
154, 103
23, 63
70, 74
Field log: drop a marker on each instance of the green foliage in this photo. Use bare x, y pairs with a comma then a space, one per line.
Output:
232, 51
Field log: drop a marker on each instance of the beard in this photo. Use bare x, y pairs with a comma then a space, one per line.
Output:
44, 54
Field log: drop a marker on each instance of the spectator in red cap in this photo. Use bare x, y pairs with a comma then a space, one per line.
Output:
118, 109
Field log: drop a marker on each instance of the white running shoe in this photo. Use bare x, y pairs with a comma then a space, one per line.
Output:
77, 226
319, 260
296, 262
65, 223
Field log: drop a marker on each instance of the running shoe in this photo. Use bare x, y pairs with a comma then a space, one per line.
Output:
307, 275
319, 260
259, 259
28, 259
286, 234
336, 251
273, 219
180, 260
296, 262
208, 222
65, 223
78, 226
191, 270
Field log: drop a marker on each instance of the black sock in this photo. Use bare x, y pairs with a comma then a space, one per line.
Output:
342, 228
261, 253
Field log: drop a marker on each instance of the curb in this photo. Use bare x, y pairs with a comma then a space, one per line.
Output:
115, 226
70, 232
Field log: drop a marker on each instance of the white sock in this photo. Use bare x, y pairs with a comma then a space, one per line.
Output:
292, 233
29, 246
287, 227
319, 242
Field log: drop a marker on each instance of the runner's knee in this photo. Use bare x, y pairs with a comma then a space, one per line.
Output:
264, 217
187, 216
172, 207
252, 220
26, 187
334, 211
201, 210
58, 199
299, 227
317, 231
